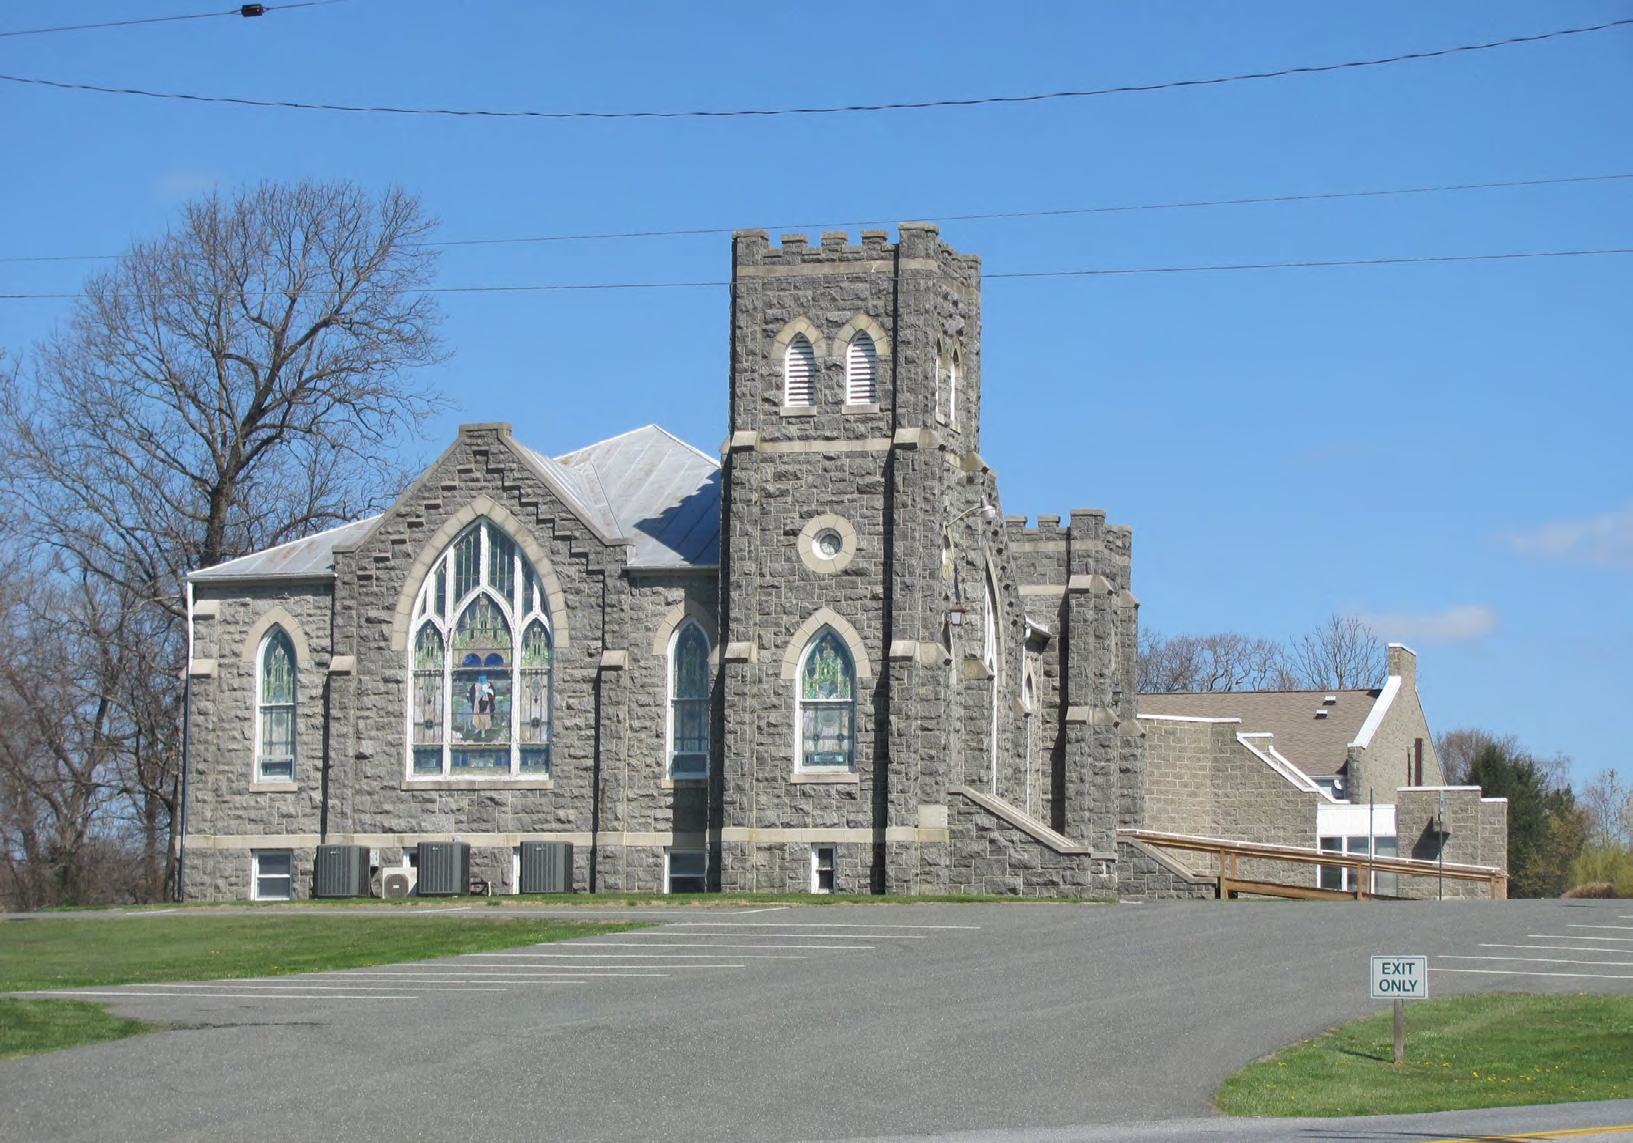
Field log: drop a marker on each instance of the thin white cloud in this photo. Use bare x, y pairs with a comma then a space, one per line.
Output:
1453, 625
1600, 541
174, 187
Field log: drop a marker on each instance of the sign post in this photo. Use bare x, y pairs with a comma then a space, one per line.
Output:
1400, 978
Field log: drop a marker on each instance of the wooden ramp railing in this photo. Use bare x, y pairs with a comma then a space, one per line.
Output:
1228, 853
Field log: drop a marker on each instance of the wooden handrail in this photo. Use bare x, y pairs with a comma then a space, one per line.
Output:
1227, 849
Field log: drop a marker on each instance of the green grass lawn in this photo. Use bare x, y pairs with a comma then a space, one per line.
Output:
29, 1027
1462, 1052
78, 951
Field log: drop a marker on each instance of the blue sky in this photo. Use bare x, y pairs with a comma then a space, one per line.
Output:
1442, 448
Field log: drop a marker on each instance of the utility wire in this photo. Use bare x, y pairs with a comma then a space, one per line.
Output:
1014, 274
1055, 213
243, 10
835, 110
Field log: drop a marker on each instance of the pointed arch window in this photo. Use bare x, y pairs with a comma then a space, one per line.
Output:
689, 686
480, 697
861, 371
275, 709
799, 372
827, 704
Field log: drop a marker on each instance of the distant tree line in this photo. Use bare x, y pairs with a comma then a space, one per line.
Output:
236, 383
1342, 653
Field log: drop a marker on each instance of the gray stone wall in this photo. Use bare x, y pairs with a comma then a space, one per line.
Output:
1476, 833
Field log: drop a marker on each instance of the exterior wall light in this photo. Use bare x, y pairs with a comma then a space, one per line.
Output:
955, 615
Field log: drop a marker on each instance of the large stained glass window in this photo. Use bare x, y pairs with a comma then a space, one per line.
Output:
689, 703
827, 705
275, 742
479, 699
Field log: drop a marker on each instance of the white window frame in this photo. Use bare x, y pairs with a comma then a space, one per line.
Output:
668, 874
818, 868
800, 701
261, 706
861, 369
528, 601
670, 665
809, 398
255, 874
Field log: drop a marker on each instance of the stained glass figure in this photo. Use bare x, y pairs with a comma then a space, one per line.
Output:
465, 665
275, 756
827, 704
689, 711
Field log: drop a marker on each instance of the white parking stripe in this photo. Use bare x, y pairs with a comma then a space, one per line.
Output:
1624, 928
451, 977
1574, 937
222, 995
646, 956
258, 986
690, 945
1546, 960
1517, 972
1556, 948
807, 925
670, 932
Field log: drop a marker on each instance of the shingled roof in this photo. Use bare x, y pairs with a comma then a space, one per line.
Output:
647, 485
1310, 732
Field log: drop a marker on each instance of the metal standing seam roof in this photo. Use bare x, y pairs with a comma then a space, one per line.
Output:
663, 493
309, 558
646, 485
1317, 746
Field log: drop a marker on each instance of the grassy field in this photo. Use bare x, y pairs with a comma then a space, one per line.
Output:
1495, 1050
77, 951
29, 1027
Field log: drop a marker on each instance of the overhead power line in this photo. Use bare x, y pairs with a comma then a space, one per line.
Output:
1013, 274
833, 110
241, 11
992, 215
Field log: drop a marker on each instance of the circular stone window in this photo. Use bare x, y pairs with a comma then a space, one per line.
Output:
827, 543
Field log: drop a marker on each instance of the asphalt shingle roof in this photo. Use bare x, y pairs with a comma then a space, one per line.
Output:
1318, 746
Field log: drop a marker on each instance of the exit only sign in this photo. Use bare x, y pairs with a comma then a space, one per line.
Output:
1400, 977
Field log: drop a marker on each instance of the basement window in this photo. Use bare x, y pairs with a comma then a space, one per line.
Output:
822, 869
685, 871
272, 875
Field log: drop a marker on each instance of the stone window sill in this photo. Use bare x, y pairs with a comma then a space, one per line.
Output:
860, 410
274, 787
685, 783
799, 410
506, 783
819, 778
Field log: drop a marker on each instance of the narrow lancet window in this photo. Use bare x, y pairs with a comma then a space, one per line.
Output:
275, 750
689, 704
799, 372
861, 371
827, 705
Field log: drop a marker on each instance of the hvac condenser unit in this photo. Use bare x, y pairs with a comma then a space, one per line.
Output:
341, 871
397, 884
547, 867
445, 868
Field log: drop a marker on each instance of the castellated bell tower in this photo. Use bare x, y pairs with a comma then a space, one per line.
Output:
858, 593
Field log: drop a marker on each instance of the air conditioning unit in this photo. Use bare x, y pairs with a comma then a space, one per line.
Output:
445, 868
546, 867
397, 884
341, 871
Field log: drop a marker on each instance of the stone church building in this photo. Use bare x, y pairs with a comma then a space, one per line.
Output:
824, 660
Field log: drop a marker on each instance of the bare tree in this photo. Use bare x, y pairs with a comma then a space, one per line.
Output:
62, 733
232, 385
1342, 653
1223, 662
1609, 803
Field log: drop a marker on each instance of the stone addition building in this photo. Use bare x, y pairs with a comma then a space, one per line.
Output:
825, 662
1352, 771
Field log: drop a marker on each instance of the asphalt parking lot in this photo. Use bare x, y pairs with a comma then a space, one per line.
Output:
1036, 1022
